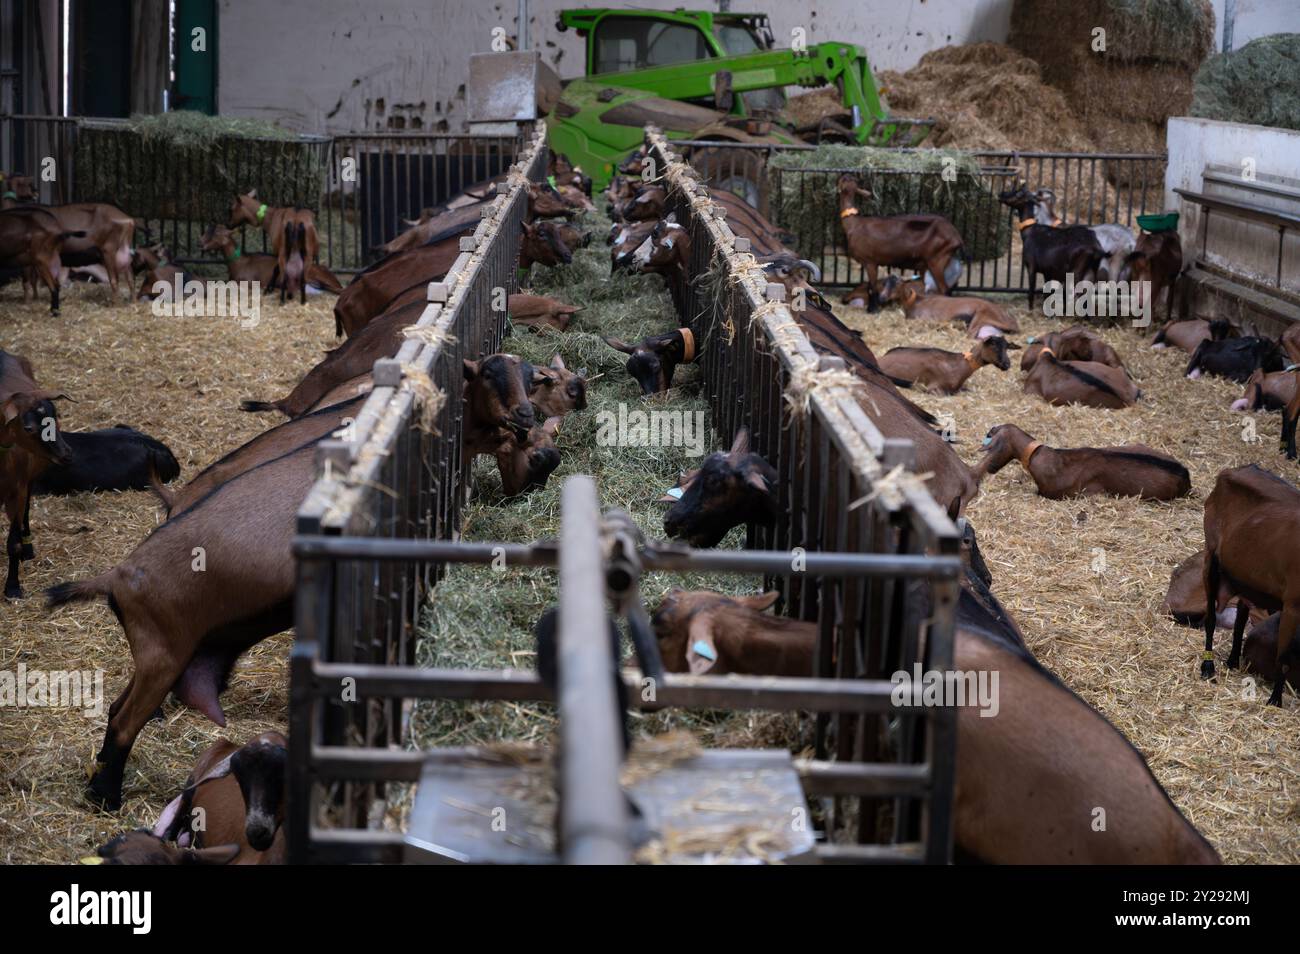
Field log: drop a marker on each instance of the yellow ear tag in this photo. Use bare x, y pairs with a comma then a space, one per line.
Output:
91, 860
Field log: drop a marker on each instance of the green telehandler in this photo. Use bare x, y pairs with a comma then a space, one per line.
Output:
708, 76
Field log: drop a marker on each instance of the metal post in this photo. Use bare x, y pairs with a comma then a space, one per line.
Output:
593, 810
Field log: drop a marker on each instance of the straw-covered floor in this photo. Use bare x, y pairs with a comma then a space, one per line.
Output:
179, 380
1084, 578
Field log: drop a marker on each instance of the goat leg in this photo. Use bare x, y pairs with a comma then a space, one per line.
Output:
154, 676
1211, 612
14, 549
1238, 631
1286, 631
28, 553
873, 294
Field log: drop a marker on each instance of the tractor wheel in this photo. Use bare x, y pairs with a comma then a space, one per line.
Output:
742, 172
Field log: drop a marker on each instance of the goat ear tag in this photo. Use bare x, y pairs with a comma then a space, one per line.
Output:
701, 648
90, 860
674, 492
988, 441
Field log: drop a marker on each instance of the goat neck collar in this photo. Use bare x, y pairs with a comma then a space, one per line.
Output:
261, 212
1056, 222
851, 210
971, 360
1027, 454
688, 345
235, 254
1025, 223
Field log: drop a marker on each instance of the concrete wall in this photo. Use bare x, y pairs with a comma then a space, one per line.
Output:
1212, 157
340, 66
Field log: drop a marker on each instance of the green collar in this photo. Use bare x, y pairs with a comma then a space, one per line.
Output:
261, 212
235, 254
550, 180
9, 195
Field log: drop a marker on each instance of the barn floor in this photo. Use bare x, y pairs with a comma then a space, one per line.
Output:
179, 380
1228, 761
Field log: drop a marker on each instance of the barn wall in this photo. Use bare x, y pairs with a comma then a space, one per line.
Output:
1245, 248
339, 66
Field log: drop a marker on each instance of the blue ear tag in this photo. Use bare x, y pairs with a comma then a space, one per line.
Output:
674, 492
1029, 340
701, 648
988, 441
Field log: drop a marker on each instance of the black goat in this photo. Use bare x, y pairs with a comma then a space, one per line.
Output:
1053, 252
116, 458
1236, 358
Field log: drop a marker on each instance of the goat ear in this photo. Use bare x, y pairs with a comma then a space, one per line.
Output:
557, 363
761, 602
471, 369
701, 650
252, 193
9, 410
758, 482
552, 425
540, 377
1012, 346
741, 444
618, 344
217, 855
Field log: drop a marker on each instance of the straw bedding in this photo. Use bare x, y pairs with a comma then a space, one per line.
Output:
179, 380
1230, 763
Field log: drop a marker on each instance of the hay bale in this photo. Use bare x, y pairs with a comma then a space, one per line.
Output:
186, 165
985, 96
902, 182
1257, 84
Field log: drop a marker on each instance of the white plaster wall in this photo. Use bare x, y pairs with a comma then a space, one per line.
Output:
1245, 248
326, 65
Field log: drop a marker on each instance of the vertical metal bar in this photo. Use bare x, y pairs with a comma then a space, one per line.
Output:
593, 810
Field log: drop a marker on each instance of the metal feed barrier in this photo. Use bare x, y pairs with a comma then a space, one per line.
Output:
1089, 188
381, 525
361, 186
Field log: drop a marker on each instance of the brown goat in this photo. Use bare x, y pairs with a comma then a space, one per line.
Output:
1156, 260
1259, 652
982, 318
376, 290
1252, 546
30, 441
543, 242
102, 231
31, 240
143, 847
526, 466
1188, 335
233, 795
904, 241
728, 489
1267, 391
554, 389
1080, 382
1130, 470
497, 408
1075, 343
653, 360
945, 372
1185, 598
247, 210
1029, 777
198, 592
532, 311
153, 261
1290, 342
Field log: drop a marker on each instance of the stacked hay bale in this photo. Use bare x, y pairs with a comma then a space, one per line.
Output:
1257, 84
985, 96
1124, 93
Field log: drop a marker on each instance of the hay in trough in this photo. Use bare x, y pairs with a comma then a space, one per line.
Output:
483, 618
179, 380
944, 182
204, 160
1258, 84
1084, 577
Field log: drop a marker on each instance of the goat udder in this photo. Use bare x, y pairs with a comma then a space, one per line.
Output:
200, 685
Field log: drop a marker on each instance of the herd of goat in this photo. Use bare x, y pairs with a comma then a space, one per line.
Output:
186, 629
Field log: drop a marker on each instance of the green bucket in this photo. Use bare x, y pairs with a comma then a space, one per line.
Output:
1164, 222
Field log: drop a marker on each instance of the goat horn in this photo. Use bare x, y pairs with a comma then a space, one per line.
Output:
813, 269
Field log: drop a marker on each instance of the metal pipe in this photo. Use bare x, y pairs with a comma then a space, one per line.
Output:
523, 24
593, 810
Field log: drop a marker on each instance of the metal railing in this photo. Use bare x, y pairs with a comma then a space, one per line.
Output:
1090, 188
362, 186
830, 460
401, 476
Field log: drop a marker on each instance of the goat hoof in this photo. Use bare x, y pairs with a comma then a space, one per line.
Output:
14, 592
1207, 669
104, 801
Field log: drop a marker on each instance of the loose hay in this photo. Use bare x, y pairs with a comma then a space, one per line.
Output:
1230, 763
179, 380
1258, 83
